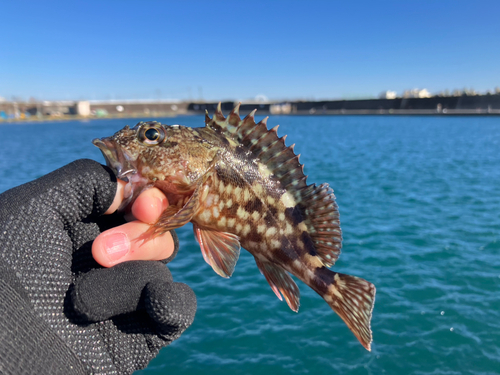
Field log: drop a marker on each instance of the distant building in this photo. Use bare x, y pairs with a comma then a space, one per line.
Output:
144, 107
83, 108
388, 95
58, 108
280, 108
417, 93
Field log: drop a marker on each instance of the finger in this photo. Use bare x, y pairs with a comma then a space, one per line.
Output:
126, 242
149, 205
120, 188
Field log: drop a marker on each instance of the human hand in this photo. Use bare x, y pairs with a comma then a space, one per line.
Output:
124, 242
60, 312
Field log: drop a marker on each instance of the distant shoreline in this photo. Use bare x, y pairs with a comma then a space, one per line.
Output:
478, 105
83, 118
378, 112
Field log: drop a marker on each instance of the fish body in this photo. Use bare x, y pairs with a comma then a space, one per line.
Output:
240, 186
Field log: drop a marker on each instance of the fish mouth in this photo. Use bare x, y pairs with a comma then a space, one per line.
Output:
116, 158
124, 167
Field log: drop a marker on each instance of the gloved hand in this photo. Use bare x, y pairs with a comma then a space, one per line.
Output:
62, 313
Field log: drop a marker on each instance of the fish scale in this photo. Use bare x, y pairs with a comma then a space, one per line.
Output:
241, 186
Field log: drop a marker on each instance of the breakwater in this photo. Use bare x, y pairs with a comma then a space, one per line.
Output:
436, 105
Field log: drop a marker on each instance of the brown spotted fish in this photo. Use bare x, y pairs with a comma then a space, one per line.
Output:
240, 186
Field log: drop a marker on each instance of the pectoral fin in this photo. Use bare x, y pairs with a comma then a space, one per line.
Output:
220, 249
173, 217
281, 281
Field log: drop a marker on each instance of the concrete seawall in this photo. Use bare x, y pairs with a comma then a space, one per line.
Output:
484, 105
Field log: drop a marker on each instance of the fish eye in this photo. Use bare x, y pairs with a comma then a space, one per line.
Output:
151, 135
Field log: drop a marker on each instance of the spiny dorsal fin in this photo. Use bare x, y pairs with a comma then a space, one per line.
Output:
264, 144
218, 113
207, 117
320, 210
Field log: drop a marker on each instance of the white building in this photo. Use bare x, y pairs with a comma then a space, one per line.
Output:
417, 93
83, 108
280, 108
388, 95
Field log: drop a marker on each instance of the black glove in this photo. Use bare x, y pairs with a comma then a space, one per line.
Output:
60, 312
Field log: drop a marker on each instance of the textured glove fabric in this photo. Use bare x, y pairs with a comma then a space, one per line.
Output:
72, 315
27, 344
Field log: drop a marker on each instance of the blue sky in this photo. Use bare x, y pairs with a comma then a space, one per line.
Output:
219, 50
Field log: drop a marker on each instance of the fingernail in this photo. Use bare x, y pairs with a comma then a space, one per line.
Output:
117, 245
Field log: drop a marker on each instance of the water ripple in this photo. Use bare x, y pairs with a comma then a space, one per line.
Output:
419, 199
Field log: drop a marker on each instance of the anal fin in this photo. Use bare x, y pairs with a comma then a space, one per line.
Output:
281, 283
220, 249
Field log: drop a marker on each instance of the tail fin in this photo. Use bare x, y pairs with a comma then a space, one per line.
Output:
352, 298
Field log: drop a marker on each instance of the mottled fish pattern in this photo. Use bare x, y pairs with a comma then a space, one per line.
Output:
241, 186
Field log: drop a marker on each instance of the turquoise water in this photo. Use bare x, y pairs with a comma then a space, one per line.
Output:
419, 199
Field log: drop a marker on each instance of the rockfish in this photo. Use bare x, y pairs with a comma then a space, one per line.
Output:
240, 186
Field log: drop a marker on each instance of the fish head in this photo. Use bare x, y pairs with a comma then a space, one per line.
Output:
170, 157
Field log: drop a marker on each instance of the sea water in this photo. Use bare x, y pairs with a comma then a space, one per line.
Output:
419, 201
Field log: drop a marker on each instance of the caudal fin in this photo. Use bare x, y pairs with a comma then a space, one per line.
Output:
352, 298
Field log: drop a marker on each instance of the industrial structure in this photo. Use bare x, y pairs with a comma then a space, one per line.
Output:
389, 105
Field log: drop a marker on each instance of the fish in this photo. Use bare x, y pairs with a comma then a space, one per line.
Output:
240, 186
